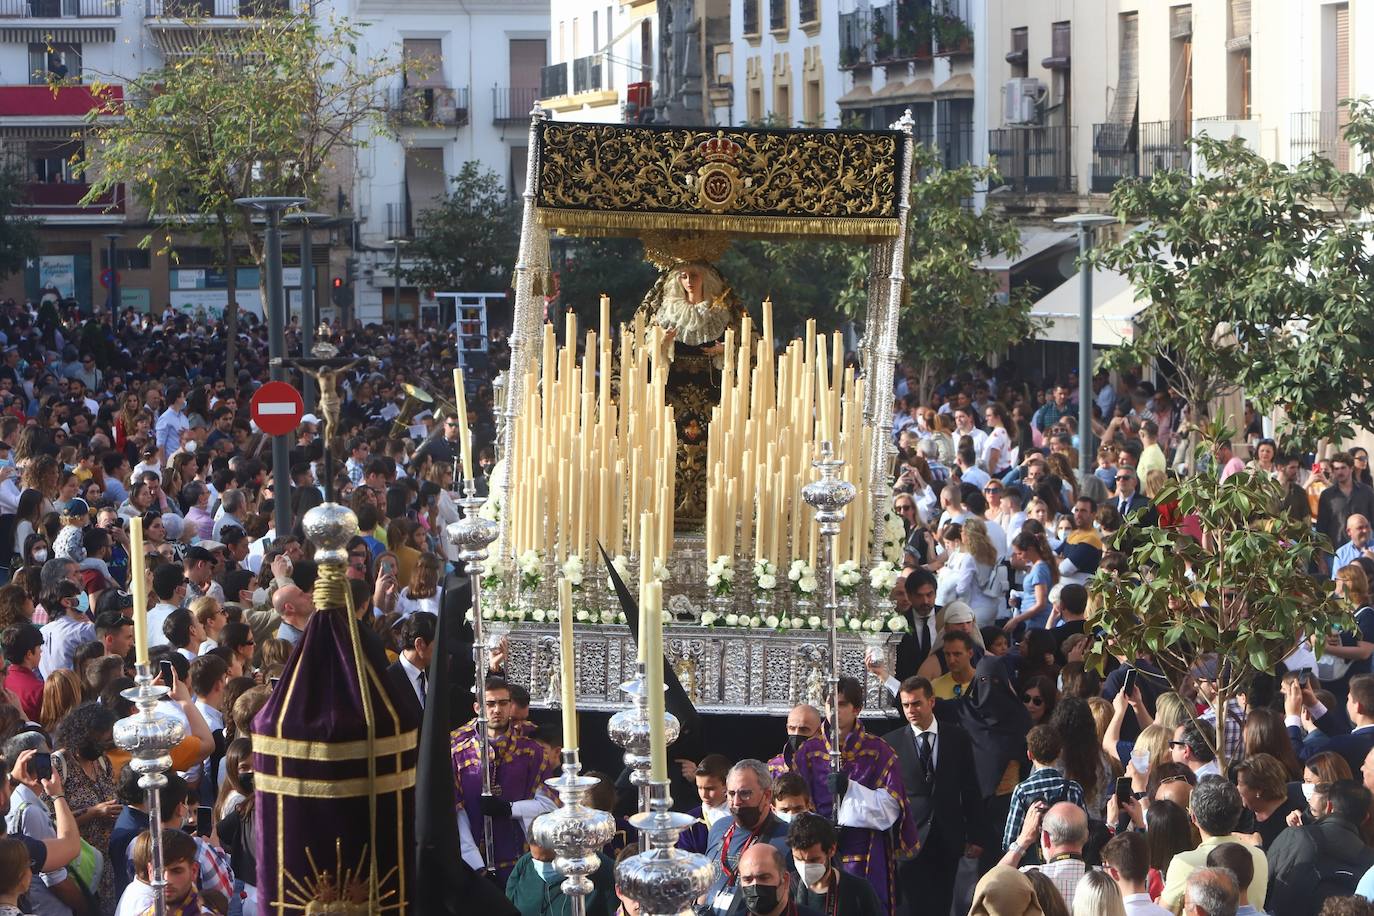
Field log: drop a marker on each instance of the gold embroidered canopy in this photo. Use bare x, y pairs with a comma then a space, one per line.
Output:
626, 179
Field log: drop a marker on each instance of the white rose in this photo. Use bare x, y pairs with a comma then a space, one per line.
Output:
797, 623
487, 613
661, 572
784, 623
583, 616
875, 625
538, 616
667, 617
727, 574
856, 624
768, 581
772, 621
807, 585
896, 624
712, 580
517, 614
756, 621
468, 616
732, 620
814, 622
575, 577
608, 616
708, 618
794, 573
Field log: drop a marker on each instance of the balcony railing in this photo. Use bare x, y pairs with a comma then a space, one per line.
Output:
1034, 160
398, 225
59, 9
955, 143
952, 30
553, 81
751, 17
64, 199
1318, 133
587, 74
1138, 151
513, 106
428, 106
856, 39
223, 9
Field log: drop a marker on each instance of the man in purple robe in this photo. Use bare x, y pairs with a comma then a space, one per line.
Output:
710, 779
803, 724
519, 767
875, 822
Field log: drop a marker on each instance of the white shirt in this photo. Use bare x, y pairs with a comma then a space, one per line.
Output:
135, 900
1142, 905
157, 616
977, 435
996, 439
934, 732
413, 675
213, 717
1210, 768
974, 476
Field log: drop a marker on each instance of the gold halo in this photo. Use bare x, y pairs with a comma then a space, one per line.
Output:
667, 249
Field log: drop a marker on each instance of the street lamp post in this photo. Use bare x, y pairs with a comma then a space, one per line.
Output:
1085, 223
114, 273
305, 221
276, 344
396, 244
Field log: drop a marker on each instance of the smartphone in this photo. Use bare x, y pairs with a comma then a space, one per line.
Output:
1123, 790
1128, 685
40, 766
388, 567
169, 674
1305, 678
203, 820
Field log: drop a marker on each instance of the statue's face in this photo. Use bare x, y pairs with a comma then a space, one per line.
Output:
691, 277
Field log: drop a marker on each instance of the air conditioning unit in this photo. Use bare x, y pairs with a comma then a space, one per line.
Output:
1021, 101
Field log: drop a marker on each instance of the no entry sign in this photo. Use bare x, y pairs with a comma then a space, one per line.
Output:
277, 408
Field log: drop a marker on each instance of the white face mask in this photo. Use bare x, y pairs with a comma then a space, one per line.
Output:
811, 872
783, 816
189, 447
1308, 790
40, 555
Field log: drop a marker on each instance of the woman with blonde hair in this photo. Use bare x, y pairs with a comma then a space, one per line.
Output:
423, 592
989, 593
1097, 895
61, 694
942, 433
1347, 653
1170, 711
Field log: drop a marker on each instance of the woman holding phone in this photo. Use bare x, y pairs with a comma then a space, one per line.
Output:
79, 745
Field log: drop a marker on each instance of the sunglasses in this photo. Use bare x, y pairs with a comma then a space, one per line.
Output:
1178, 744
1168, 779
992, 489
1032, 700
1125, 477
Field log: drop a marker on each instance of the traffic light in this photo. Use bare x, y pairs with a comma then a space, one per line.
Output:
351, 269
342, 293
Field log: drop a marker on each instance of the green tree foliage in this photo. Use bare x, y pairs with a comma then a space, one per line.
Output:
805, 279
18, 240
585, 268
1241, 594
953, 314
1258, 278
468, 243
273, 112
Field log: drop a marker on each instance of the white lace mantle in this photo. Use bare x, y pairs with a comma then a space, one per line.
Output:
698, 324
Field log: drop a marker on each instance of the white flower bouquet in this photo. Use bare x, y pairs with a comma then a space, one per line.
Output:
720, 576
531, 570
848, 578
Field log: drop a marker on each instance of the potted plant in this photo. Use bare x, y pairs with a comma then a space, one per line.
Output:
953, 35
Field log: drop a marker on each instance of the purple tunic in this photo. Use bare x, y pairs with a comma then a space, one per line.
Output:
519, 768
869, 761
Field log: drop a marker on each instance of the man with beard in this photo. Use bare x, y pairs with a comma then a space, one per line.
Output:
803, 722
519, 768
749, 793
875, 822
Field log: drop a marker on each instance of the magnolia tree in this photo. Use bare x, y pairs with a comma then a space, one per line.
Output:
1241, 594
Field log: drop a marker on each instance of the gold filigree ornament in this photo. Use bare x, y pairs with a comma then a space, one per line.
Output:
666, 250
342, 892
718, 182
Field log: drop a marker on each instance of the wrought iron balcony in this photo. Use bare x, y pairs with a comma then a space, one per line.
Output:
59, 9
428, 106
513, 106
1034, 160
1138, 151
1318, 133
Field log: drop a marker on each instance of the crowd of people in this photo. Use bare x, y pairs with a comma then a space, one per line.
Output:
998, 775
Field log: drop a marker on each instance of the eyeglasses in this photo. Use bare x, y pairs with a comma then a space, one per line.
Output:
1030, 700
992, 489
1124, 477
1178, 744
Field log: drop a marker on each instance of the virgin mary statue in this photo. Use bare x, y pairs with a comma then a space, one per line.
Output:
695, 306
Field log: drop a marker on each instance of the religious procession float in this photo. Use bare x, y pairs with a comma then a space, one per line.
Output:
736, 483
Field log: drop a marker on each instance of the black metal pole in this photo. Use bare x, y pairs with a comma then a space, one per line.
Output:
307, 310
396, 292
114, 276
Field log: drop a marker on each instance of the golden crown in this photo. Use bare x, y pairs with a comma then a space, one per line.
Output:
719, 148
668, 249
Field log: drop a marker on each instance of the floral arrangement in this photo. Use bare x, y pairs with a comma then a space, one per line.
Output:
894, 623
621, 564
661, 571
883, 578
802, 577
848, 579
491, 509
572, 571
894, 538
720, 576
765, 577
491, 573
531, 570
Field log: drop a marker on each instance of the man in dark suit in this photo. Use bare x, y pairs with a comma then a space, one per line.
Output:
1332, 733
942, 791
922, 626
410, 672
1132, 505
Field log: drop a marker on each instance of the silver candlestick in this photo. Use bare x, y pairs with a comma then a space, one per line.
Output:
149, 736
630, 727
472, 535
575, 832
828, 496
663, 879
